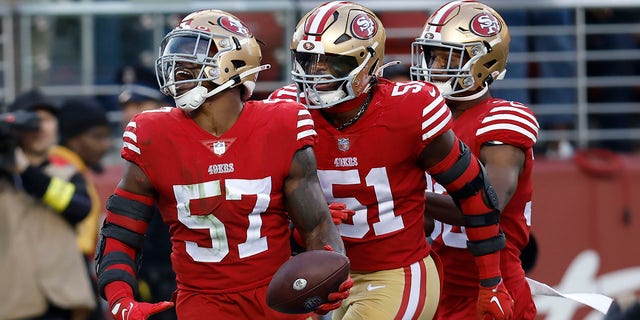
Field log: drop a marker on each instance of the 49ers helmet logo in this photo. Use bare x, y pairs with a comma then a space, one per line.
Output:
234, 25
485, 25
363, 27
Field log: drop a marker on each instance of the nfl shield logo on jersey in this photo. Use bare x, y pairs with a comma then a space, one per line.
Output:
343, 144
219, 147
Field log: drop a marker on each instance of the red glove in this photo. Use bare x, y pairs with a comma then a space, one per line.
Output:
129, 309
339, 212
494, 303
335, 298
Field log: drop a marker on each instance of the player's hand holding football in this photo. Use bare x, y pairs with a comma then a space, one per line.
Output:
494, 303
128, 309
339, 212
335, 298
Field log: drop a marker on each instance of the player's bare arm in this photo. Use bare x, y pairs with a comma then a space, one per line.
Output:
442, 208
136, 181
437, 150
504, 163
307, 206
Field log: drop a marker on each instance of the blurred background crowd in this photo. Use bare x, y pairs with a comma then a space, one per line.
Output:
91, 63
575, 64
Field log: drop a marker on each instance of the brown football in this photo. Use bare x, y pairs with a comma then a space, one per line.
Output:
305, 281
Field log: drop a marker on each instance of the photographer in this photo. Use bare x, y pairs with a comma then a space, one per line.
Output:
47, 274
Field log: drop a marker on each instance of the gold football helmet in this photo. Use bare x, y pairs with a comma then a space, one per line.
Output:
208, 52
463, 47
336, 50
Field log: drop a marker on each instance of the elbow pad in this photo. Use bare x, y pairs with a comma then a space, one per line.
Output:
465, 179
119, 248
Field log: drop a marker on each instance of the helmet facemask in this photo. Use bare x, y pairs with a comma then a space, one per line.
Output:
336, 50
190, 58
207, 53
469, 30
453, 74
325, 79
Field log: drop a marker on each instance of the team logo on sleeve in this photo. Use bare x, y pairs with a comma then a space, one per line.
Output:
485, 25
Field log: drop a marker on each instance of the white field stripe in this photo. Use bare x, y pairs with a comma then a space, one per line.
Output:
434, 117
131, 147
435, 130
132, 124
306, 133
414, 291
498, 117
130, 135
504, 126
518, 110
305, 122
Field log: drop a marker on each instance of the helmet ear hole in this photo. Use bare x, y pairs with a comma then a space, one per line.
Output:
490, 63
238, 64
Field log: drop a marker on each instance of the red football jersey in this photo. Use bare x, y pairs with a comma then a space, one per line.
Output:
222, 196
371, 166
510, 123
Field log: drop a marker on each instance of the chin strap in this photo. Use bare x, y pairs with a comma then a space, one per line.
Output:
195, 97
380, 72
469, 97
236, 79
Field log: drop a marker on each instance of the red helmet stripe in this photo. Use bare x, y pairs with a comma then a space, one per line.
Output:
441, 14
317, 21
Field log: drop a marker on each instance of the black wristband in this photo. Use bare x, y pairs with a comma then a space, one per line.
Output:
491, 282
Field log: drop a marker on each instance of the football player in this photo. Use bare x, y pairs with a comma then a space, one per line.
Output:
463, 48
226, 174
377, 138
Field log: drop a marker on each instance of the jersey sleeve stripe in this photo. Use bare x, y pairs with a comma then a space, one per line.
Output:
505, 126
517, 110
131, 124
131, 147
130, 135
435, 117
434, 104
305, 122
306, 133
511, 117
437, 128
304, 113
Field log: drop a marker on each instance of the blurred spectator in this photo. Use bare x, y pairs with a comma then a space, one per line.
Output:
156, 277
85, 137
613, 67
558, 42
139, 92
42, 266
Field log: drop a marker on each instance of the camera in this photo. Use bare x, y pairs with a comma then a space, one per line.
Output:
11, 124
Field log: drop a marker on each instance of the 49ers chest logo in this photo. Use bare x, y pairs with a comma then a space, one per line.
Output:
363, 27
234, 25
485, 25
